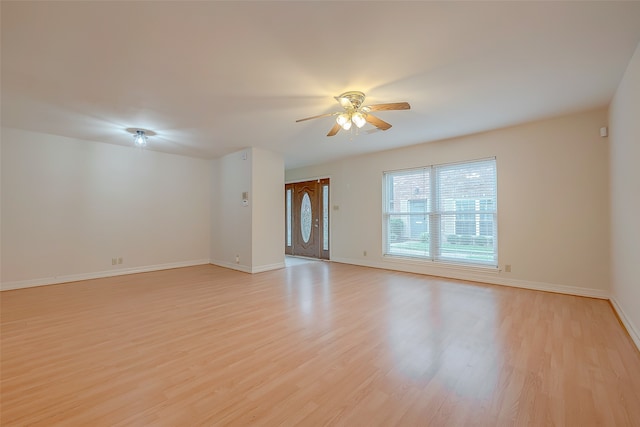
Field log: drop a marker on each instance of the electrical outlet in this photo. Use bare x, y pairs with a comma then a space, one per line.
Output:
364, 253
507, 268
114, 261
237, 259
119, 260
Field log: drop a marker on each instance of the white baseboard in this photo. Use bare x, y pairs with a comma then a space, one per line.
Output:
247, 269
268, 267
232, 266
552, 287
20, 284
634, 333
476, 274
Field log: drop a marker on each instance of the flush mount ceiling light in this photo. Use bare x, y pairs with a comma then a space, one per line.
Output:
140, 139
140, 136
357, 114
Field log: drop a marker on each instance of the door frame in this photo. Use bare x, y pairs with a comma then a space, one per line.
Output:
289, 243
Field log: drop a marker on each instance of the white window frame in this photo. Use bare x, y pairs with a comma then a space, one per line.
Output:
436, 216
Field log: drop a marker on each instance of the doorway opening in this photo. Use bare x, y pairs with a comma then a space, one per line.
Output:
307, 218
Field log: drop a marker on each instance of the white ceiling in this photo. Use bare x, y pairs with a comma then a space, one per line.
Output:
211, 78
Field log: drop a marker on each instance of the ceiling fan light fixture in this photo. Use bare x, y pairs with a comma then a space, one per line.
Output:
358, 119
355, 113
344, 120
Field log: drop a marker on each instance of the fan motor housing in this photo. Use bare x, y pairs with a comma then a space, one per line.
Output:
355, 97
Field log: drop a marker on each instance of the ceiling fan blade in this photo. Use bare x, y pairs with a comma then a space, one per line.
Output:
388, 107
316, 117
380, 124
334, 130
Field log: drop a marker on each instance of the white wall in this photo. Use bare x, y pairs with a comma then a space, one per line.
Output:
215, 210
552, 198
624, 119
255, 232
267, 210
69, 206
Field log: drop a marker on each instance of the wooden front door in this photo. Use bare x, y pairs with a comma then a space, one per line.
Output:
307, 222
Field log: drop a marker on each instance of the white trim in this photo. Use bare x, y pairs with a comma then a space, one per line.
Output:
491, 276
246, 269
634, 333
317, 178
552, 287
268, 267
449, 272
20, 284
231, 265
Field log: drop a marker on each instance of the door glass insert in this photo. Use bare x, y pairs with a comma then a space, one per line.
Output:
305, 217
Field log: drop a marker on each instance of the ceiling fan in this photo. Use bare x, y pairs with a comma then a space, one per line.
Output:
354, 112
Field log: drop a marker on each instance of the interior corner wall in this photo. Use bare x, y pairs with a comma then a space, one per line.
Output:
553, 196
248, 236
268, 208
624, 139
69, 206
231, 240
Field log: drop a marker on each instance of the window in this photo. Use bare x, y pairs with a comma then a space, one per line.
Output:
465, 222
443, 213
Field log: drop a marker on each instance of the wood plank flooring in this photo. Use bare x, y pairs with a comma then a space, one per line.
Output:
312, 344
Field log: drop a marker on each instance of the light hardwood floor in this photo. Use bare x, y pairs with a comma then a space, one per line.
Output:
313, 344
